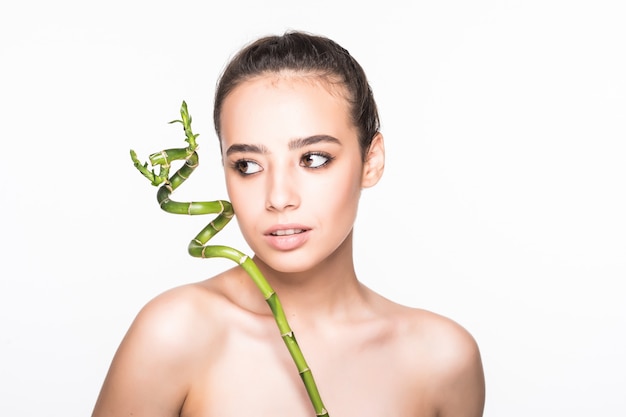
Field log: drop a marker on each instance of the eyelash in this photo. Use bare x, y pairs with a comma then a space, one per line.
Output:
308, 155
241, 165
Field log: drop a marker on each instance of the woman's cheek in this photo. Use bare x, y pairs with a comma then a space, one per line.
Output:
246, 201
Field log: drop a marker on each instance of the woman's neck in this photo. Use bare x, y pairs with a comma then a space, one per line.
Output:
330, 289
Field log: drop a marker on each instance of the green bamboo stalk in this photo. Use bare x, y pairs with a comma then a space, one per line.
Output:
198, 247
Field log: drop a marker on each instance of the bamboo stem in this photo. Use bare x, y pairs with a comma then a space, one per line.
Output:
198, 248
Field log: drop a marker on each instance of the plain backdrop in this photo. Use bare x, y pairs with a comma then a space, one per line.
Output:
503, 204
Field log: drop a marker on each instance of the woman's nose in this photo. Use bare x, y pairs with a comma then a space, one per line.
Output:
282, 191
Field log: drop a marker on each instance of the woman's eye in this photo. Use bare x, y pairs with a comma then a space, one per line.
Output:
315, 160
246, 167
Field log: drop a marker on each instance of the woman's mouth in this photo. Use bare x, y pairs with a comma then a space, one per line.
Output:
286, 232
287, 238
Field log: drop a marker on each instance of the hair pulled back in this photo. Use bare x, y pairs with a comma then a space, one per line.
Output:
307, 54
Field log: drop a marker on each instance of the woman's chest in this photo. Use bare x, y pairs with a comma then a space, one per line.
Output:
255, 376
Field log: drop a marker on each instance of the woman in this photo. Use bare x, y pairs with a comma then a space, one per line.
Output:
299, 134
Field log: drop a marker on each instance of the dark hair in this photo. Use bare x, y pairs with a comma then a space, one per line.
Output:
307, 54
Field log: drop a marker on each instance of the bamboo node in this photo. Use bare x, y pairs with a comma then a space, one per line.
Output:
166, 158
191, 164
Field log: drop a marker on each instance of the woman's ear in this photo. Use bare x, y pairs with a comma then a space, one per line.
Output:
374, 164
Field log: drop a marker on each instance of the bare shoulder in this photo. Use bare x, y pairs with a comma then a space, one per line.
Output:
445, 359
151, 371
445, 340
177, 311
188, 322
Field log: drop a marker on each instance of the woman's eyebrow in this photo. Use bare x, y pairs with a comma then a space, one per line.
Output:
247, 148
293, 144
311, 140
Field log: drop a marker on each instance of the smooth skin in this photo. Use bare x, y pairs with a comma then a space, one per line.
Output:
294, 175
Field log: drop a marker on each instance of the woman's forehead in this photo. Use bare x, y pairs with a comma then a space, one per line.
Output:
272, 95
284, 106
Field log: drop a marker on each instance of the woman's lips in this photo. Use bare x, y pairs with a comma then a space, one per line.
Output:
287, 238
286, 232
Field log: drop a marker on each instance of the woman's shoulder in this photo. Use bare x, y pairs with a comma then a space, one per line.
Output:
437, 327
443, 356
430, 339
190, 312
172, 336
442, 350
444, 339
425, 327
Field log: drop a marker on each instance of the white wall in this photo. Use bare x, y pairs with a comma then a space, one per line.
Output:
502, 205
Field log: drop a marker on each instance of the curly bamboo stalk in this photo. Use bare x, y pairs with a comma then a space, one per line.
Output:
198, 248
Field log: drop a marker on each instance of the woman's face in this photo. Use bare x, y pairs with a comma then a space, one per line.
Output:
293, 168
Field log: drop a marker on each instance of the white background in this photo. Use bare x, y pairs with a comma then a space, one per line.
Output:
502, 206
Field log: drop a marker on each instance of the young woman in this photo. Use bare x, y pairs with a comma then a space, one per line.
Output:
299, 134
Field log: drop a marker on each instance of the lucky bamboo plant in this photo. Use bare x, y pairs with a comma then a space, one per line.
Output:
199, 248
